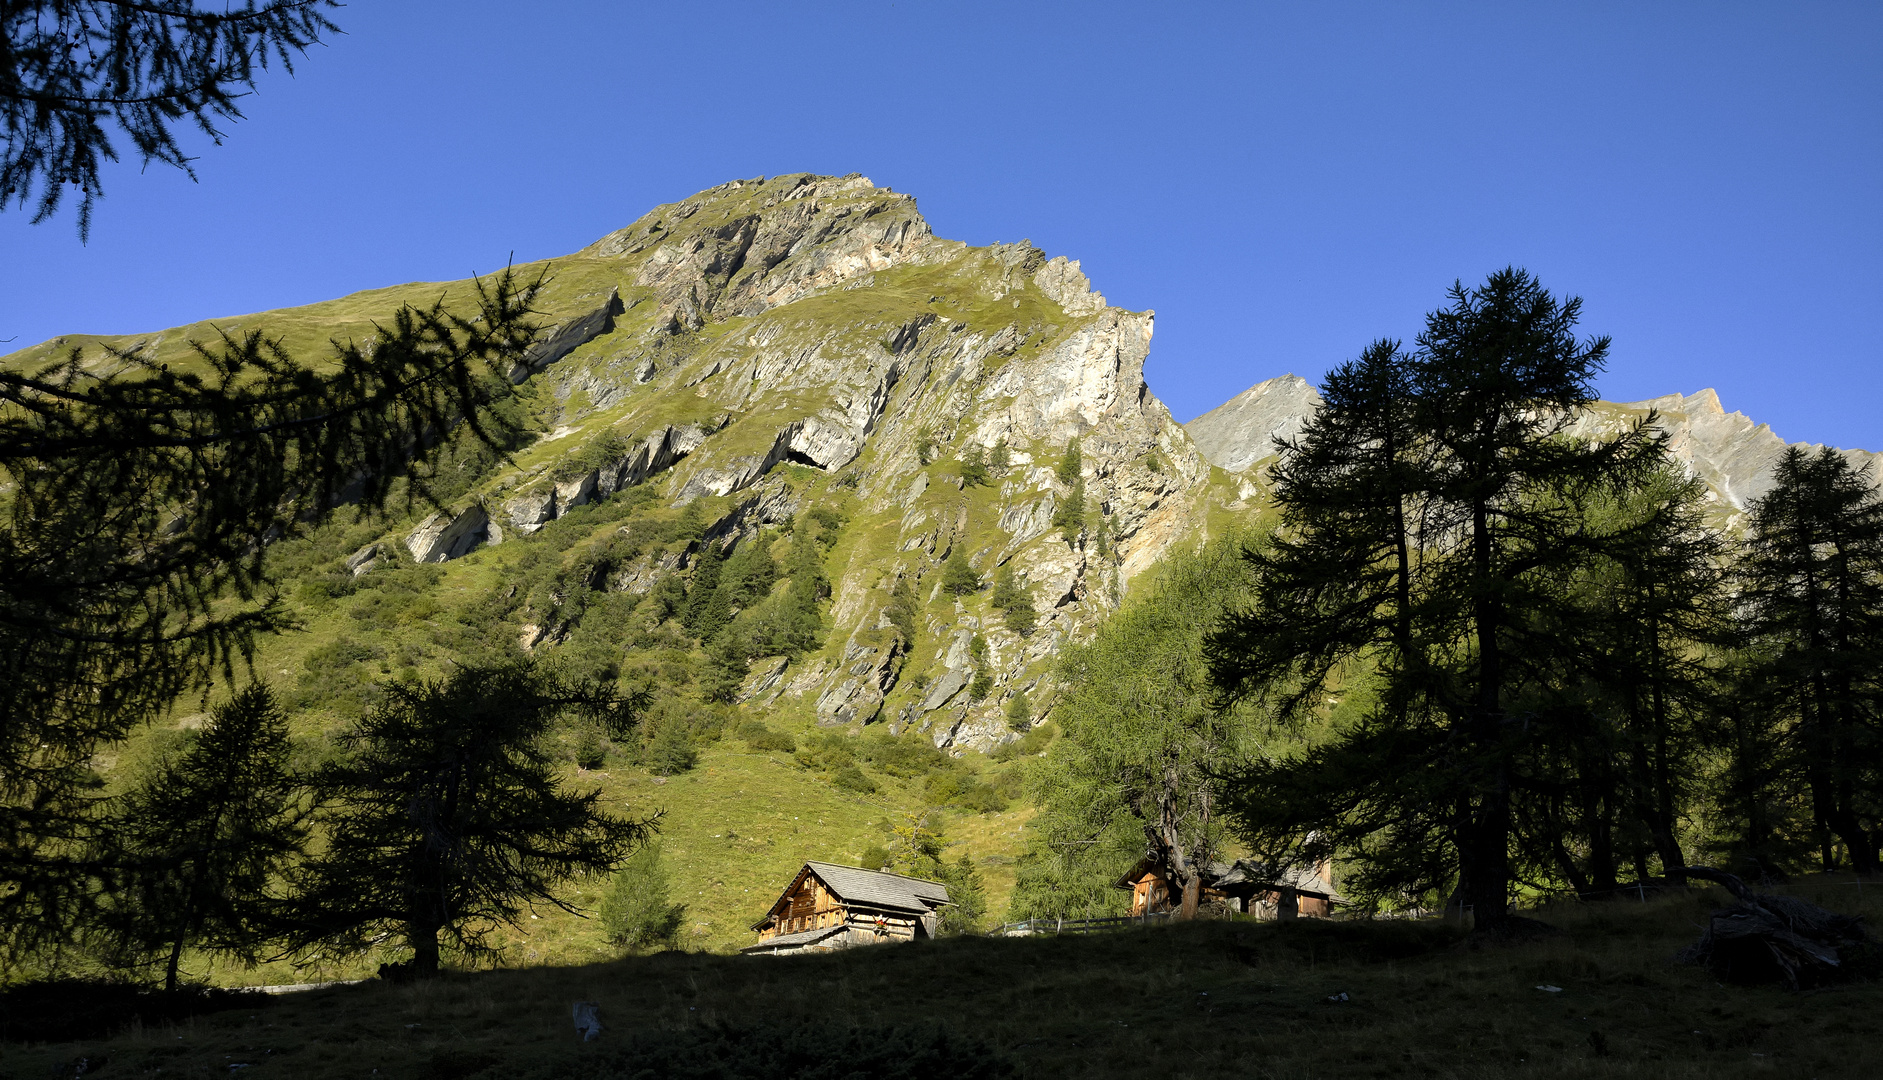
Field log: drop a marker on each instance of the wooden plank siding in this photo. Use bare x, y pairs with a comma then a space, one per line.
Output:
883, 908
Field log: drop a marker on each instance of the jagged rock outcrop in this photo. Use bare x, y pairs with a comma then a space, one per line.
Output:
1734, 456
448, 534
1242, 431
567, 337
826, 327
801, 351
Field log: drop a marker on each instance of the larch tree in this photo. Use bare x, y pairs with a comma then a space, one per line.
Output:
202, 843
71, 69
1136, 771
448, 817
1429, 513
134, 543
1813, 588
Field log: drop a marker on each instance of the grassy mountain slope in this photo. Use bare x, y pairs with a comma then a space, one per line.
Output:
768, 365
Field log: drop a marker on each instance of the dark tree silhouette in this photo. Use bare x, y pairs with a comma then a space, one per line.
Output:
1813, 576
134, 540
1430, 512
448, 817
70, 68
199, 844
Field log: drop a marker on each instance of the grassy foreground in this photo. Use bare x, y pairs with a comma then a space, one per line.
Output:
1207, 999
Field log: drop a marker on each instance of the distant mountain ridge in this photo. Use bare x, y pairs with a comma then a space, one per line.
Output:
1731, 453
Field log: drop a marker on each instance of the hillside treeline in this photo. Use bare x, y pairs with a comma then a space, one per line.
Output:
1480, 657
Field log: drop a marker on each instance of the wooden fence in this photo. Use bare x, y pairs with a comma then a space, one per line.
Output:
1030, 927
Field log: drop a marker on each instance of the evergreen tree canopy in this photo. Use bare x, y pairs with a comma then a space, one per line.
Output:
1070, 463
1135, 769
974, 466
1645, 626
201, 843
637, 912
143, 502
448, 817
1014, 601
69, 67
1813, 587
1431, 512
958, 575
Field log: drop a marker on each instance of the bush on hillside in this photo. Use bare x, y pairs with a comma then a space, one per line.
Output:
671, 751
759, 737
958, 577
907, 756
974, 467
982, 685
851, 778
636, 912
1019, 713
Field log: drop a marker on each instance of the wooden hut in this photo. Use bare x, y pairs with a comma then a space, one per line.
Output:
1244, 886
828, 906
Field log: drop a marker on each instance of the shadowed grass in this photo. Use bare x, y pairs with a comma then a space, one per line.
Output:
1207, 999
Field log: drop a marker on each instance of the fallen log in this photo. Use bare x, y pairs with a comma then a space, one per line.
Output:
1765, 938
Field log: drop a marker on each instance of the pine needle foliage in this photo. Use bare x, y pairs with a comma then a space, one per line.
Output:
959, 577
1014, 601
143, 503
637, 911
202, 842
1431, 514
72, 67
1137, 769
1813, 581
448, 817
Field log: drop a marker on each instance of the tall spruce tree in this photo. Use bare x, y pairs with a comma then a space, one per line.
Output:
134, 543
1813, 587
448, 817
202, 843
1429, 512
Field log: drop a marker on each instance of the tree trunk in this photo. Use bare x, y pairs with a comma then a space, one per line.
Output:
1486, 860
1192, 896
424, 942
170, 969
1661, 821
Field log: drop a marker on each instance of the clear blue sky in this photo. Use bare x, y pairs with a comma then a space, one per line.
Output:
1282, 183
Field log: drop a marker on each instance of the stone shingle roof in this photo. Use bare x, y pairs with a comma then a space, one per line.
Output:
857, 887
802, 937
877, 889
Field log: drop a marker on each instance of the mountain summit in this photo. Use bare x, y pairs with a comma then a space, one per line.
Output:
793, 348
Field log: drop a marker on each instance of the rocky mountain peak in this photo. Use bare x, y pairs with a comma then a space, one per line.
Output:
803, 341
1242, 431
1732, 454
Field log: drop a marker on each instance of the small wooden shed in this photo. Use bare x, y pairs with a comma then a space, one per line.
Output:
1244, 885
828, 906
